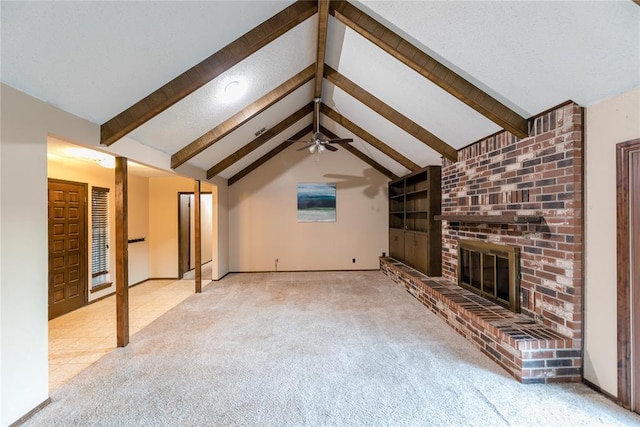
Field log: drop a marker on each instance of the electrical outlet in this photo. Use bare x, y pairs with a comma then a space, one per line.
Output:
353, 260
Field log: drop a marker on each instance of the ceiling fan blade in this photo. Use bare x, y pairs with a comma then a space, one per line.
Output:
339, 141
330, 147
291, 140
306, 147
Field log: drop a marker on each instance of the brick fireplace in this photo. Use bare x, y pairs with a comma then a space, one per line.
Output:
524, 194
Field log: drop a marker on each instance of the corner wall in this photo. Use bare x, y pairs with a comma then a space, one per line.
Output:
263, 223
607, 123
220, 251
25, 124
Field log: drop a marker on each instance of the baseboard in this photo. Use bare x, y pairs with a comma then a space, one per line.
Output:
602, 392
23, 419
223, 276
302, 271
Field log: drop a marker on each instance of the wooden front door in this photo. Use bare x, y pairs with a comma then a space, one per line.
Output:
67, 246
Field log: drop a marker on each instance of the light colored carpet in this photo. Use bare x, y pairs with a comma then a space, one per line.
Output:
311, 349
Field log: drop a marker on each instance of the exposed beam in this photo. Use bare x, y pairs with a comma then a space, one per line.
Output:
207, 70
246, 114
430, 68
359, 154
390, 114
271, 133
122, 253
253, 166
198, 235
368, 138
323, 22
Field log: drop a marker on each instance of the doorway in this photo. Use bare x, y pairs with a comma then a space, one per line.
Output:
186, 233
628, 248
67, 225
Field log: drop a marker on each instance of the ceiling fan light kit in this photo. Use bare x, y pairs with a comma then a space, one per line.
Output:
319, 142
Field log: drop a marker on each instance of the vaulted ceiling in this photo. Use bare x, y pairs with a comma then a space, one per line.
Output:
410, 82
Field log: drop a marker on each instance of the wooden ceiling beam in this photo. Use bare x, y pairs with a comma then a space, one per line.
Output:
260, 140
207, 70
359, 154
368, 138
430, 68
390, 114
253, 166
242, 117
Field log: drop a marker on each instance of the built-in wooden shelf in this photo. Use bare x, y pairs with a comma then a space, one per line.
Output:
414, 237
490, 219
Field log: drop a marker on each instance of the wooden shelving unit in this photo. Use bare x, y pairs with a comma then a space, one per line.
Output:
415, 236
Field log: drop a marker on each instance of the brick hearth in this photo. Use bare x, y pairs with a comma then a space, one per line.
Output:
529, 351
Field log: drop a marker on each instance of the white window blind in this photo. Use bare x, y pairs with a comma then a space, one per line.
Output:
99, 235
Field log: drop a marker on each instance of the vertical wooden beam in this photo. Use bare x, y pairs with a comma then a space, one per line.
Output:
198, 236
122, 254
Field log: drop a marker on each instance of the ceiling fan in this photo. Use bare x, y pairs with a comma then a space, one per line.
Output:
319, 142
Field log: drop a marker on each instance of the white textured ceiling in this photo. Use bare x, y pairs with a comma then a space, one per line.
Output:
95, 59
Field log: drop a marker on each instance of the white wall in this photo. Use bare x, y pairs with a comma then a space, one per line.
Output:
263, 222
607, 123
25, 123
138, 227
220, 250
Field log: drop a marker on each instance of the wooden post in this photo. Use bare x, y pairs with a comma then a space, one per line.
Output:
198, 237
122, 254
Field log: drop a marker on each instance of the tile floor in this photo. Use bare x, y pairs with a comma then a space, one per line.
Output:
79, 338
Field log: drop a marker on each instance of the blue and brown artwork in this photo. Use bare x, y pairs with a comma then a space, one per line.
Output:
317, 202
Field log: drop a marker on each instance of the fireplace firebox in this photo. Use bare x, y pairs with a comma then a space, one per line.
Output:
490, 270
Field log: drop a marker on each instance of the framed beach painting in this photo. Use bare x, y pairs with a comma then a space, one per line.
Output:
317, 202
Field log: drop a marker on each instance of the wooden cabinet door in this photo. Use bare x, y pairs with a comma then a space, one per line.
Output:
421, 252
416, 251
396, 244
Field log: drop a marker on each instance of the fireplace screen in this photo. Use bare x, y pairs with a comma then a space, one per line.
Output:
490, 270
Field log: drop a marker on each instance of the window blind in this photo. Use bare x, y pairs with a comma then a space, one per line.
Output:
99, 235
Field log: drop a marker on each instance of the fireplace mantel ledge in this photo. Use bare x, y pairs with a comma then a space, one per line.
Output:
493, 219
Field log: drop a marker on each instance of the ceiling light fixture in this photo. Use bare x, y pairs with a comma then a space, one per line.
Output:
233, 90
107, 162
